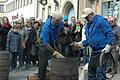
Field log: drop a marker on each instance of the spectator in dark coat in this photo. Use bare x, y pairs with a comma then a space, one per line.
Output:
4, 31
0, 35
30, 42
116, 42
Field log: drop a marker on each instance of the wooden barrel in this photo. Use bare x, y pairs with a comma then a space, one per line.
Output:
64, 69
4, 65
32, 76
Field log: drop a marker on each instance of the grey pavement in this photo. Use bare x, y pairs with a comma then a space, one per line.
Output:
22, 75
117, 76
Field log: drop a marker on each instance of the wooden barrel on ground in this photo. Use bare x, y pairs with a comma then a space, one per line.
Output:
32, 76
64, 69
4, 65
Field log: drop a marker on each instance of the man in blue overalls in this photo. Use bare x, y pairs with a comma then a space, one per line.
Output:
99, 37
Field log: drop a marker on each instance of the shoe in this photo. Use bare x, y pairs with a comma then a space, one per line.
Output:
15, 70
22, 68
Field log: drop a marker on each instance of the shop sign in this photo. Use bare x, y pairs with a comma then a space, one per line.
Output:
15, 17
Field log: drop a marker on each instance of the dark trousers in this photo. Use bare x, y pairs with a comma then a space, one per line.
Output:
14, 60
115, 54
27, 55
94, 71
21, 57
43, 62
35, 57
3, 41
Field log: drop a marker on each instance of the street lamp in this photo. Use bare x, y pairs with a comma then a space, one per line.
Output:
43, 2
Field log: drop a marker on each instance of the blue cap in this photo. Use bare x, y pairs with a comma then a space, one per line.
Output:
65, 18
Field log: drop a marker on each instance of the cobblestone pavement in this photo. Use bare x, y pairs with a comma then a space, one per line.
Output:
22, 75
117, 76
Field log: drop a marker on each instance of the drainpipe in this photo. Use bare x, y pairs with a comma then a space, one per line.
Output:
37, 9
78, 10
56, 4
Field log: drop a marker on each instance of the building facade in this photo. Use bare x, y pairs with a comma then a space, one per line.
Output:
2, 9
16, 9
42, 8
111, 8
66, 7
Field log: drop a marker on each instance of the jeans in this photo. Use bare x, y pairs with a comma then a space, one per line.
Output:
14, 60
28, 54
21, 57
94, 71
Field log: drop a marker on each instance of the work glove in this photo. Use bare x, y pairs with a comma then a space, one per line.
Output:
106, 49
58, 55
77, 44
117, 48
86, 66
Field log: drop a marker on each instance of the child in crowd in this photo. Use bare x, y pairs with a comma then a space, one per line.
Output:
13, 45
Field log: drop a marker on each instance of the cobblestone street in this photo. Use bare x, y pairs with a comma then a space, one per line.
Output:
22, 75
117, 76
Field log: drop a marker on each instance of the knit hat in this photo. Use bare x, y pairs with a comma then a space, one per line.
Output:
65, 18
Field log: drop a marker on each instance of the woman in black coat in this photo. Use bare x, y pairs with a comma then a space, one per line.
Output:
4, 31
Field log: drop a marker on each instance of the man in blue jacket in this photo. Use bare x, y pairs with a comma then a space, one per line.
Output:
49, 36
99, 37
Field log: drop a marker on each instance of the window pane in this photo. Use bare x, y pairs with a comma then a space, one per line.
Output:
1, 8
